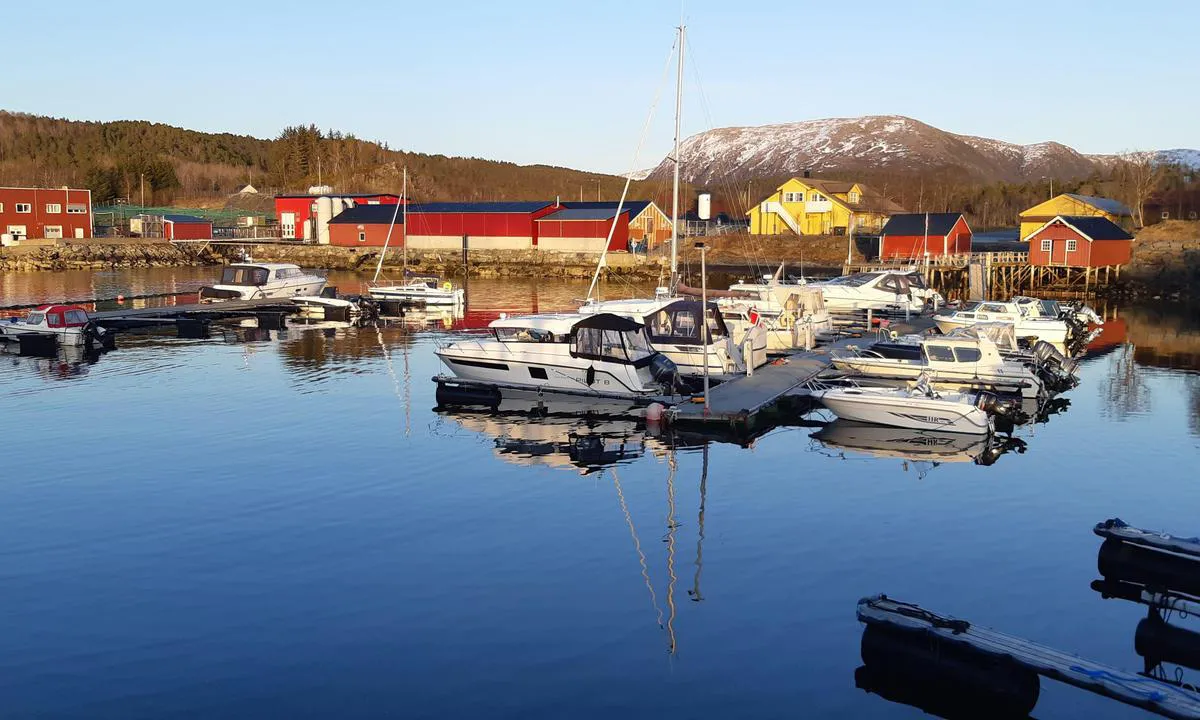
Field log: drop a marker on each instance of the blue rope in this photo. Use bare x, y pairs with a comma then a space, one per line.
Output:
1125, 682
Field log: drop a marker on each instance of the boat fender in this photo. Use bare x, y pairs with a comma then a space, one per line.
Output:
1159, 641
654, 412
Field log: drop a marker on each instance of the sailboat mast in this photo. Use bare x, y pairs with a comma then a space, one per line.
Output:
675, 154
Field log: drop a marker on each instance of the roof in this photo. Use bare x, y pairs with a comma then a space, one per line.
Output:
870, 200
186, 219
583, 214
940, 224
370, 215
635, 207
1093, 227
341, 195
479, 207
265, 265
1113, 207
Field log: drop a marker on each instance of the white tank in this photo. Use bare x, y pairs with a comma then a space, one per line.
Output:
704, 206
338, 206
324, 215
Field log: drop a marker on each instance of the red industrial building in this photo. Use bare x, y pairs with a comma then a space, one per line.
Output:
299, 215
368, 226
1083, 242
186, 227
51, 213
486, 225
584, 229
648, 224
915, 235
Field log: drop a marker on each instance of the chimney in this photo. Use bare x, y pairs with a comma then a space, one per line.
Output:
808, 174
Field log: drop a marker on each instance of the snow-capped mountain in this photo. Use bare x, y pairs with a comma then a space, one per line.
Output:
888, 142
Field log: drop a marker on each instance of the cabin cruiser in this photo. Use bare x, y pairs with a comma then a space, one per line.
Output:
1029, 318
792, 316
673, 326
599, 355
957, 360
878, 290
918, 408
68, 323
420, 290
251, 281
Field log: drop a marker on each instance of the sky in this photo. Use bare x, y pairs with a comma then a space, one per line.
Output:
571, 83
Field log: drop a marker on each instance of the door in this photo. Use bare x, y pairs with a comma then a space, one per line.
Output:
53, 232
18, 232
78, 233
1054, 251
287, 224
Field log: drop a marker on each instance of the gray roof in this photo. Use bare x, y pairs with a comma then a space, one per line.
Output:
584, 213
1113, 207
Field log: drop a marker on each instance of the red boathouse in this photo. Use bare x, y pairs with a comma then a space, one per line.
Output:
914, 235
1077, 241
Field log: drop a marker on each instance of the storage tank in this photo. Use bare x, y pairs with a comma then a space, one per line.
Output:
704, 206
324, 215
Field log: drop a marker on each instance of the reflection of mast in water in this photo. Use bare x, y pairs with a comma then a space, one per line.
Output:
387, 357
637, 545
671, 526
695, 591
407, 393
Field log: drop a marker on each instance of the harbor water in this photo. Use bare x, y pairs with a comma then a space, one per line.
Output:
282, 524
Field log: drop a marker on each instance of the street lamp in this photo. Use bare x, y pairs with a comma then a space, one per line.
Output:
704, 335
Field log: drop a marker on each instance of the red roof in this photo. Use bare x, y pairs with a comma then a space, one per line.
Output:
62, 310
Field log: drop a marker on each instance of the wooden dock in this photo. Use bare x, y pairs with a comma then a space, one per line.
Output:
1131, 688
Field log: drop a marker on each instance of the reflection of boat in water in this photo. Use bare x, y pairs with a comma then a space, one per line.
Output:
917, 445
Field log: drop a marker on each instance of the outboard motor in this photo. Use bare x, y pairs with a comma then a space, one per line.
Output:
1055, 369
1006, 409
666, 373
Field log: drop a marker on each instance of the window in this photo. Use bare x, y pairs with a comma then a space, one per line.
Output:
793, 197
76, 317
23, 207
362, 237
512, 334
54, 320
939, 353
966, 354
53, 209
1166, 214
538, 373
1071, 245
52, 232
816, 197
853, 196
1047, 245
76, 209
1, 207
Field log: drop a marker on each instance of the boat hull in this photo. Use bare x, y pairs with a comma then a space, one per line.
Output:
432, 297
216, 293
902, 409
546, 371
1025, 384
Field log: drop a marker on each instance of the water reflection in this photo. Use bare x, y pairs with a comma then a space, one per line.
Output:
922, 450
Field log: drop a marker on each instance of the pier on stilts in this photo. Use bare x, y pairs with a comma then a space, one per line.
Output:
976, 276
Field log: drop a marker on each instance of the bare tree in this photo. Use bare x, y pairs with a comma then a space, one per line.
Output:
1139, 175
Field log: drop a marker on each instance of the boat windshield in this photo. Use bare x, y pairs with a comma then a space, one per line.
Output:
35, 318
1050, 308
244, 276
855, 280
518, 334
624, 346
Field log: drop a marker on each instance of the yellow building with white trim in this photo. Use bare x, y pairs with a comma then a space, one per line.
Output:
807, 206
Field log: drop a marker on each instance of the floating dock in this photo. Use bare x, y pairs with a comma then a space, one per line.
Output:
1140, 691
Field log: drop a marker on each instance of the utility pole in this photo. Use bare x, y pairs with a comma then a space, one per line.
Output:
142, 185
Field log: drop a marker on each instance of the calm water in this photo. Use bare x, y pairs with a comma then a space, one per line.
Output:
282, 526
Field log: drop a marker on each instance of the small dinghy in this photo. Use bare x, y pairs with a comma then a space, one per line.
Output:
918, 408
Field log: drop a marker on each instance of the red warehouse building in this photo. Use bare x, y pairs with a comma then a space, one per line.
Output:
1076, 241
186, 227
51, 213
306, 217
648, 224
584, 230
913, 235
486, 225
368, 226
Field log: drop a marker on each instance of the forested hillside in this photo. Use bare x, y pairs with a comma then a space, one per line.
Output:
115, 158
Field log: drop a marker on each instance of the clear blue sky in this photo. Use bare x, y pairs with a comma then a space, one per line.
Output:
570, 83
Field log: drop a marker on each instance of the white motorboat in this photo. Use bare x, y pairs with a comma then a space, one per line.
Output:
957, 360
421, 291
901, 290
792, 316
673, 325
315, 307
919, 408
251, 281
68, 323
598, 355
1029, 319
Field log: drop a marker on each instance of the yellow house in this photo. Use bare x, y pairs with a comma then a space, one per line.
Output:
1069, 204
807, 206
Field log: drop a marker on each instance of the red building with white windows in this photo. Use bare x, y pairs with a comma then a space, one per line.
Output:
1077, 241
52, 213
306, 217
914, 235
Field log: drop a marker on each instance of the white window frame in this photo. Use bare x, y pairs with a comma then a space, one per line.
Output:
853, 197
52, 232
1072, 245
28, 208
1, 207
817, 197
54, 208
1047, 245
77, 209
362, 235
